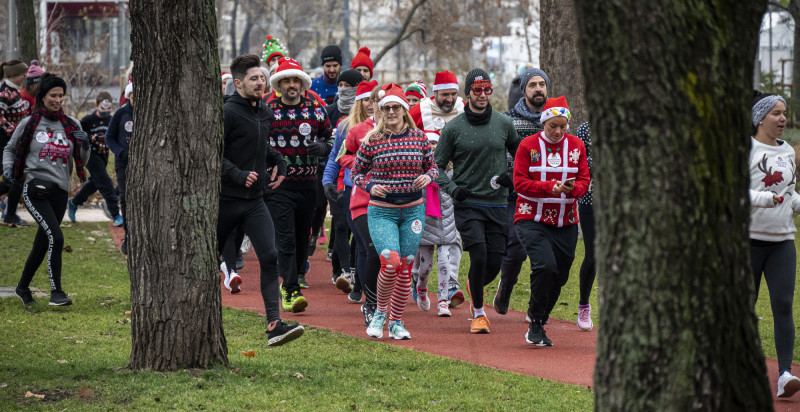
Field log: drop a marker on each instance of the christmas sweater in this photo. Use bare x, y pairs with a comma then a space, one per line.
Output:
429, 117
325, 90
772, 172
96, 125
395, 161
119, 133
537, 165
292, 130
13, 108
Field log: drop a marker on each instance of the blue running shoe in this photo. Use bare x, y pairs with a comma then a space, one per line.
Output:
71, 209
118, 221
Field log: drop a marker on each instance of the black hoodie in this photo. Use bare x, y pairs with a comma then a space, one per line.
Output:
247, 148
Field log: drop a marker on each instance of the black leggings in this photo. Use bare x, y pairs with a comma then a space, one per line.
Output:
252, 215
588, 271
483, 268
48, 211
368, 266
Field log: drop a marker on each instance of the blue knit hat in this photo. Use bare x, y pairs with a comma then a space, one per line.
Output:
525, 77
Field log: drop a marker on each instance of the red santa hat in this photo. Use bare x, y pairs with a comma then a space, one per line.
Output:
289, 67
362, 59
364, 89
432, 135
226, 76
392, 93
445, 80
555, 107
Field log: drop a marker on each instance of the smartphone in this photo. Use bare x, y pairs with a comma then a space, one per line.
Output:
570, 181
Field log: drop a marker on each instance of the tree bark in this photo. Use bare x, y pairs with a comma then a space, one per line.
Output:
26, 31
401, 34
670, 90
173, 187
559, 56
794, 11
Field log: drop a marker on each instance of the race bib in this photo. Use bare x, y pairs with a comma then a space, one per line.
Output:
42, 137
129, 126
416, 226
554, 159
305, 129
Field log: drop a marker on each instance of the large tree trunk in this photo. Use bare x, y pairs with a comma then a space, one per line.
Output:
670, 86
173, 186
26, 30
559, 56
794, 11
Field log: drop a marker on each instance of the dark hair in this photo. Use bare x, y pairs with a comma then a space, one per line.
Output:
49, 82
8, 63
103, 96
242, 64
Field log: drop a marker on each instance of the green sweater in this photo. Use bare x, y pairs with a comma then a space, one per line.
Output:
478, 154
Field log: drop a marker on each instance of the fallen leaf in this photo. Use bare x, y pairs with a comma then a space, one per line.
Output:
30, 394
78, 341
123, 321
127, 312
3, 385
235, 371
157, 400
90, 239
251, 353
68, 249
85, 392
62, 361
298, 375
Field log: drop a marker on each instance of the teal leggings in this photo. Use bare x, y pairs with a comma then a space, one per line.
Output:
396, 229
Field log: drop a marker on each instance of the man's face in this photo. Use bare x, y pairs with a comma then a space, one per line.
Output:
331, 69
252, 87
446, 99
290, 87
479, 94
274, 59
536, 91
364, 70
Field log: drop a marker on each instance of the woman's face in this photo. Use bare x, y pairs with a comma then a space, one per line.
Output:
366, 104
393, 115
556, 127
412, 100
774, 122
53, 99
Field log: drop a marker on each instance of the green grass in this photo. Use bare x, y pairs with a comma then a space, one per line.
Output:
76, 355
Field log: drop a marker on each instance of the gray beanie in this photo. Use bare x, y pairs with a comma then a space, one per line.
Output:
525, 77
765, 103
474, 74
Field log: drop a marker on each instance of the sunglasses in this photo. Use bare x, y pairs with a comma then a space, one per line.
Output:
395, 108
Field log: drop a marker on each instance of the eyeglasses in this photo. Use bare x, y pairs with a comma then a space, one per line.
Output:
395, 108
482, 86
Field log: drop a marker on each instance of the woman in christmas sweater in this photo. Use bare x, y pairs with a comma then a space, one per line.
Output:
550, 174
399, 161
774, 201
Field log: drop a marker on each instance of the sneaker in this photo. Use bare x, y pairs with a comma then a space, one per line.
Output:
239, 261
312, 245
235, 283
354, 296
282, 333
375, 328
14, 221
334, 277
584, 321
787, 385
422, 299
124, 247
59, 298
118, 221
323, 239
301, 279
397, 331
329, 256
104, 206
227, 281
71, 209
501, 299
368, 310
297, 302
479, 325
25, 295
536, 335
286, 302
444, 311
456, 297
246, 244
343, 283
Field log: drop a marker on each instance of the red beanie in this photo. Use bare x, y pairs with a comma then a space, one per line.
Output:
364, 89
392, 93
362, 59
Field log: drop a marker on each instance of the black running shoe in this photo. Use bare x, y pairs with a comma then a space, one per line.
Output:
59, 298
501, 299
239, 261
283, 333
536, 334
368, 310
25, 295
354, 296
124, 247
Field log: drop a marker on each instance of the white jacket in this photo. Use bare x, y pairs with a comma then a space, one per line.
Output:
772, 171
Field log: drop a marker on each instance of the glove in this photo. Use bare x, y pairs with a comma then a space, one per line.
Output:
123, 155
317, 149
461, 193
8, 175
83, 137
505, 180
330, 192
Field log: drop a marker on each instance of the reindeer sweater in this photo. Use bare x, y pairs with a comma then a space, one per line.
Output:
772, 171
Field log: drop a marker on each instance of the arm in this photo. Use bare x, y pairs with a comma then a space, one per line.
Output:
523, 183
428, 162
512, 137
332, 167
112, 134
229, 170
442, 155
9, 152
764, 199
361, 167
583, 179
85, 152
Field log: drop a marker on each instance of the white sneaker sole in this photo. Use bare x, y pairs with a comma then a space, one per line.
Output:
236, 283
790, 388
377, 334
286, 337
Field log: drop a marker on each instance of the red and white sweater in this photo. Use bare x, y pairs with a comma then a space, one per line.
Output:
537, 166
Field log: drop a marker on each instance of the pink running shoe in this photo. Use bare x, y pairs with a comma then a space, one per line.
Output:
585, 317
323, 238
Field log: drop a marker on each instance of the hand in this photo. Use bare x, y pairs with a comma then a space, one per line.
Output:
276, 182
8, 174
461, 193
557, 188
567, 187
330, 192
251, 178
775, 199
505, 180
123, 155
81, 136
317, 149
421, 181
378, 191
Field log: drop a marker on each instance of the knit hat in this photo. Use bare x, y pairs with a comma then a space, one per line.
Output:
272, 47
331, 53
555, 107
350, 76
128, 90
49, 82
417, 89
289, 67
432, 135
226, 76
392, 93
472, 76
525, 77
365, 89
445, 80
764, 104
12, 70
362, 59
35, 72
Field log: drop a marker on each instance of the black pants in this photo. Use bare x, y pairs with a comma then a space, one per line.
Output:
588, 271
14, 194
484, 235
515, 254
48, 211
357, 250
551, 250
291, 211
340, 235
777, 262
369, 263
253, 216
318, 222
122, 181
98, 181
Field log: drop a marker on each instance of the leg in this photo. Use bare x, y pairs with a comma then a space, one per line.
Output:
544, 269
258, 226
384, 231
304, 211
515, 254
563, 240
104, 184
47, 212
779, 272
281, 210
372, 264
448, 261
423, 264
123, 201
587, 272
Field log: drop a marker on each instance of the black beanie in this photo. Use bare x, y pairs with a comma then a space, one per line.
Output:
474, 74
332, 53
352, 76
49, 81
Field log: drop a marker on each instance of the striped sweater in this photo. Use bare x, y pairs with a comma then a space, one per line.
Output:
395, 161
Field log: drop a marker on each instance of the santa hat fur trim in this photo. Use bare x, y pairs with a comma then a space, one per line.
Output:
289, 67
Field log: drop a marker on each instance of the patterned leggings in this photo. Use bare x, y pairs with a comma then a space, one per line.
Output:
448, 261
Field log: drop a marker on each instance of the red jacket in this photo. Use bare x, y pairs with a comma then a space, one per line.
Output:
537, 165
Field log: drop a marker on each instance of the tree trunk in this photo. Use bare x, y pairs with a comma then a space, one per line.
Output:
173, 187
26, 31
794, 102
244, 44
234, 52
559, 56
670, 90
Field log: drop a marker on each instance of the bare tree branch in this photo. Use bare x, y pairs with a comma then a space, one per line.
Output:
399, 37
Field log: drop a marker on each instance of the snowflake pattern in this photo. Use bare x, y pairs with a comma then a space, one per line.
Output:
550, 216
574, 155
525, 208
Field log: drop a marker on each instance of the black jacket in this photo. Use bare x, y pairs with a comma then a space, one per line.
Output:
247, 148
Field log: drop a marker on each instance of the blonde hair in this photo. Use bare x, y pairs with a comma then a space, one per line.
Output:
357, 113
378, 132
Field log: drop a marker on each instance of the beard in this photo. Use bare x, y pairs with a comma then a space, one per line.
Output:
537, 100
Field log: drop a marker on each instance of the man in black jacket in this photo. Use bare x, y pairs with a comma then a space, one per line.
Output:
245, 159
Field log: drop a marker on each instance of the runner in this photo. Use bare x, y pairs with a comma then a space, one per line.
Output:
363, 63
118, 139
326, 84
13, 108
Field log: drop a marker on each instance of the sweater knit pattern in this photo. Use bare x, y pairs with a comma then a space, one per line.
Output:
772, 172
293, 129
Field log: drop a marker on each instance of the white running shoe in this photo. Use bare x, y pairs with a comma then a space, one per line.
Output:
397, 331
788, 385
422, 299
584, 321
444, 311
245, 245
235, 283
224, 269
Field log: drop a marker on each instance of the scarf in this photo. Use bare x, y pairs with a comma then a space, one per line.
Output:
522, 110
477, 119
24, 142
347, 96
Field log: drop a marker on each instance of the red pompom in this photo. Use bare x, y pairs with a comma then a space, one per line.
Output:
364, 50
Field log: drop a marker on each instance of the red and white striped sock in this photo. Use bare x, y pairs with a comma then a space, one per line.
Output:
387, 278
402, 288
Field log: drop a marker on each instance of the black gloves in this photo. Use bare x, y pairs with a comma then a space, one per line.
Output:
331, 193
317, 149
505, 180
461, 193
8, 175
123, 155
83, 137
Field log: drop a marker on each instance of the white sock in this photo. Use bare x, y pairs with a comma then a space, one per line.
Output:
479, 312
